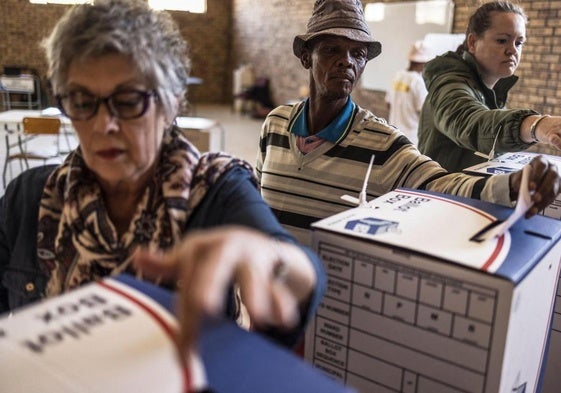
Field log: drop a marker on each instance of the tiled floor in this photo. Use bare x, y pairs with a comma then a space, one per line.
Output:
242, 131
241, 137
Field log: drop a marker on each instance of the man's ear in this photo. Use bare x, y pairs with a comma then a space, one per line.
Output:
306, 59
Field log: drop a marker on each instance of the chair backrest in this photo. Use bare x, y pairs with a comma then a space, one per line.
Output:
41, 125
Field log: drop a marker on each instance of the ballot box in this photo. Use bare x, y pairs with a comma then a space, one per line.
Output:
415, 304
118, 335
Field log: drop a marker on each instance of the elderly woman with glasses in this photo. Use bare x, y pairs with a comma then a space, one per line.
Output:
136, 196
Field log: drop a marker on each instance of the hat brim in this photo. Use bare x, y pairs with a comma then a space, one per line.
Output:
374, 47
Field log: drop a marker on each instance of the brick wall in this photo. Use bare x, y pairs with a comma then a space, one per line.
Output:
259, 32
539, 86
23, 25
263, 32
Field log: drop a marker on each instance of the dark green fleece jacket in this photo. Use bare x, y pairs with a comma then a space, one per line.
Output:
462, 116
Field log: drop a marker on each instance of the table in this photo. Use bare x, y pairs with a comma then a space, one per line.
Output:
25, 85
206, 134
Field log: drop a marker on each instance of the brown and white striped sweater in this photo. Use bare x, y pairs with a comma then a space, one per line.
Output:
304, 188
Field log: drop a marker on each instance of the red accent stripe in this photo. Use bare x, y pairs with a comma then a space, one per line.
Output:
495, 253
159, 320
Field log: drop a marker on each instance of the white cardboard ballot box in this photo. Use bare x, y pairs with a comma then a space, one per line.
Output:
414, 305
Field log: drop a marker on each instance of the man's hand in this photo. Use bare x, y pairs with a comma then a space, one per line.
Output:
544, 184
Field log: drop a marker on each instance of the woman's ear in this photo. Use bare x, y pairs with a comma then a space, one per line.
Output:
471, 39
168, 116
175, 105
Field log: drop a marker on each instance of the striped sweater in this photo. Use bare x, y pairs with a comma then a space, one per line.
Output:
303, 188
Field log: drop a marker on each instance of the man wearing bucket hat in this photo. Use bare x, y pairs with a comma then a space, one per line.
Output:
408, 92
313, 152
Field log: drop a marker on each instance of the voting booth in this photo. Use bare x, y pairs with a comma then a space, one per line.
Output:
416, 304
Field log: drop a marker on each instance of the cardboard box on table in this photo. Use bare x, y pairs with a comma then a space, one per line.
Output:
511, 162
413, 305
206, 134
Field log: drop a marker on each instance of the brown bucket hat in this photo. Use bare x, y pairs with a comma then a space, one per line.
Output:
344, 18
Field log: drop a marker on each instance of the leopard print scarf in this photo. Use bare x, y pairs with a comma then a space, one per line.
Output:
78, 243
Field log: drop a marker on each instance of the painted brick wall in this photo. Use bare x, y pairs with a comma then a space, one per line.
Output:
263, 32
260, 32
23, 25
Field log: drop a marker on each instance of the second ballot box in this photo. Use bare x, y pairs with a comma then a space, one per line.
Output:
415, 304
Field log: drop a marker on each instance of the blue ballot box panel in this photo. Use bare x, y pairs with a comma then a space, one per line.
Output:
238, 361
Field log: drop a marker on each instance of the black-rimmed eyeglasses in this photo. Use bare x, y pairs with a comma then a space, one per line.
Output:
124, 104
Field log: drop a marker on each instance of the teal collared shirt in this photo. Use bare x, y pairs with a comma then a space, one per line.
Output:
334, 131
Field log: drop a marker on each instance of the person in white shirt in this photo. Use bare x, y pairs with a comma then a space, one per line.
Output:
408, 92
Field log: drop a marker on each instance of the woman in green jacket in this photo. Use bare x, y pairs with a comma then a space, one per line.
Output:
464, 120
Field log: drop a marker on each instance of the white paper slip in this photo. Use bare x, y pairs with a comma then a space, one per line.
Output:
524, 202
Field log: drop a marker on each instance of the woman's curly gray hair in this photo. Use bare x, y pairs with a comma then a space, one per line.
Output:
151, 39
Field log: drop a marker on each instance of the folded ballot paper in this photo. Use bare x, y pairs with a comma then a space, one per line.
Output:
117, 335
523, 204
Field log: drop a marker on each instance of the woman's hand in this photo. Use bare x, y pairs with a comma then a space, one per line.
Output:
275, 278
544, 184
547, 129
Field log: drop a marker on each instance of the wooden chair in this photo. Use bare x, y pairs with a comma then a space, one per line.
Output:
33, 127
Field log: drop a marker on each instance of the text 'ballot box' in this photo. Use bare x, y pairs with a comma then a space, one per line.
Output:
414, 305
